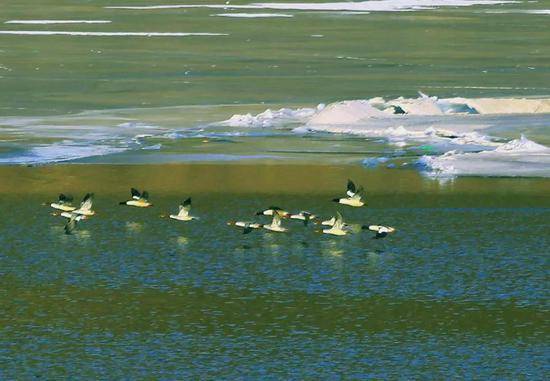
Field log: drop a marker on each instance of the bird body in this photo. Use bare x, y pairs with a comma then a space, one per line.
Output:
64, 203
303, 216
183, 214
381, 231
246, 226
77, 217
273, 210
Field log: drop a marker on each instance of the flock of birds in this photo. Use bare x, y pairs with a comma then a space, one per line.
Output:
355, 197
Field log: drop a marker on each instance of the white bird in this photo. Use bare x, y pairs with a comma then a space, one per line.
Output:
246, 226
381, 231
338, 226
140, 200
183, 214
86, 206
64, 203
275, 225
303, 216
356, 196
272, 210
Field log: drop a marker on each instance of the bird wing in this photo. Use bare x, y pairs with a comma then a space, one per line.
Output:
65, 198
144, 196
135, 194
359, 194
87, 202
339, 221
351, 188
247, 228
276, 219
185, 207
71, 224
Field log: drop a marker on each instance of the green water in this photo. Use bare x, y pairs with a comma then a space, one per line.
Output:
459, 291
266, 60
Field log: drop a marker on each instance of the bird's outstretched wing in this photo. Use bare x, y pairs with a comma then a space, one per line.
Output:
145, 196
351, 189
65, 198
135, 194
70, 226
359, 193
185, 207
87, 202
276, 219
339, 221
247, 229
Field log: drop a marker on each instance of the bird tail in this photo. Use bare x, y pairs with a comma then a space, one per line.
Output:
335, 200
122, 203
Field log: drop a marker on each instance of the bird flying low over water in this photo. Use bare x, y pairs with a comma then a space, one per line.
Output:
272, 210
381, 231
356, 196
337, 227
303, 216
86, 206
183, 214
246, 226
275, 225
64, 203
140, 200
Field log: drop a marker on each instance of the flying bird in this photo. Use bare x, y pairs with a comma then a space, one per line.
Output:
272, 210
381, 231
183, 214
356, 196
246, 226
303, 216
140, 200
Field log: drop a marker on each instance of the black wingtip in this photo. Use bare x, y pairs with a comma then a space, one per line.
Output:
365, 227
259, 213
335, 200
122, 203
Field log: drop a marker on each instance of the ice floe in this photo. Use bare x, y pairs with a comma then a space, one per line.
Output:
517, 158
104, 34
46, 22
253, 15
350, 6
